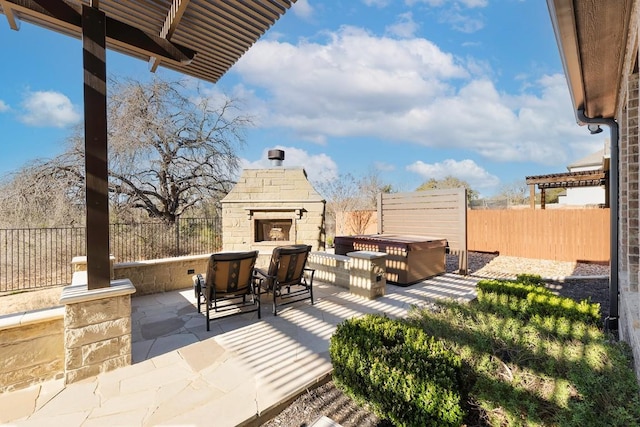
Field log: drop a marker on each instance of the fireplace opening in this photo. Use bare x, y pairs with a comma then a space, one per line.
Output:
270, 230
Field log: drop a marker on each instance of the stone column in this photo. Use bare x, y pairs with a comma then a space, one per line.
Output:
367, 274
97, 329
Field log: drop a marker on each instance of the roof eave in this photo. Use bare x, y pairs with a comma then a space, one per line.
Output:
591, 37
564, 28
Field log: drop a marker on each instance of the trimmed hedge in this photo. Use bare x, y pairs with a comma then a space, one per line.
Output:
405, 375
531, 299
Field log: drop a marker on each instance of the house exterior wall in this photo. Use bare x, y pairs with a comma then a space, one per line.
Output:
583, 196
629, 203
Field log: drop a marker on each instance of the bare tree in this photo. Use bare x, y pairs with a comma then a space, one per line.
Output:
39, 196
348, 194
515, 193
170, 148
358, 221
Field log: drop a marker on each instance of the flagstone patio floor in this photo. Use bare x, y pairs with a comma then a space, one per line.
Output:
239, 373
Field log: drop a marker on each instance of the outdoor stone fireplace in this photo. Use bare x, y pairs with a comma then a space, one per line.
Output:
272, 207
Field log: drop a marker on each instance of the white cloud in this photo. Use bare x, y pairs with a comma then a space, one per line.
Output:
48, 108
475, 3
348, 87
466, 170
404, 26
303, 9
3, 106
454, 3
319, 167
377, 3
461, 22
384, 167
320, 86
456, 13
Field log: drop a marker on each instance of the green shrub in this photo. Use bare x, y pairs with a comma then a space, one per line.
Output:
552, 305
405, 375
528, 299
529, 279
517, 289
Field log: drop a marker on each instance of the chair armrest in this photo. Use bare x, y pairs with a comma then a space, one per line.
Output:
263, 274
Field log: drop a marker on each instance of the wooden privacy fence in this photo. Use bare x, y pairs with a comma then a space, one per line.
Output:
554, 234
433, 213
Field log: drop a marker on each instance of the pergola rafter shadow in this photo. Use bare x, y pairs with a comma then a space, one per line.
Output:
202, 39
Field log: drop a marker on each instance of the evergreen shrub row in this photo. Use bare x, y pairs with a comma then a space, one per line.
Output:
528, 298
405, 376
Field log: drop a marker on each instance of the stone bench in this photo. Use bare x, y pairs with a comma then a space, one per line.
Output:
362, 272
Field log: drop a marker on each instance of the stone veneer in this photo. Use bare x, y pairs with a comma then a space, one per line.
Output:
367, 274
161, 275
32, 348
330, 268
362, 272
97, 328
270, 194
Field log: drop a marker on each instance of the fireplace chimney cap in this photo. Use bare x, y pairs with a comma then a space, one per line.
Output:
276, 157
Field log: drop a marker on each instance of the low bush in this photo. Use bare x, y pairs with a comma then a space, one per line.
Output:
529, 298
405, 375
536, 359
509, 359
517, 289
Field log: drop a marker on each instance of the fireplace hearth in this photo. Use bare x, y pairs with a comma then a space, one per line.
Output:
272, 230
272, 207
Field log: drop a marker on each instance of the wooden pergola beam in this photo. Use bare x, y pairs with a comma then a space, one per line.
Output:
596, 176
170, 24
64, 15
11, 18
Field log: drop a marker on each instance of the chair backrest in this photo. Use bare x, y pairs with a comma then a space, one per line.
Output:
287, 263
231, 271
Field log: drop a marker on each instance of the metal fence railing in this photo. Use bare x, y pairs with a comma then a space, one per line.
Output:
41, 257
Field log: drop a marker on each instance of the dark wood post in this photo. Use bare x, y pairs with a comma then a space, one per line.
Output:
95, 138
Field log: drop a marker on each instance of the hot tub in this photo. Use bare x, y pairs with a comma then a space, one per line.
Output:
410, 259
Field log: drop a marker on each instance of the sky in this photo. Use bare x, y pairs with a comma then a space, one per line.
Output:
407, 89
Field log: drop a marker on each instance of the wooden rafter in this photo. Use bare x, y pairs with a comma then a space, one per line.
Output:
593, 178
11, 18
164, 33
170, 24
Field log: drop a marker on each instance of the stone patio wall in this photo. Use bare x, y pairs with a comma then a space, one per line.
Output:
32, 348
92, 333
161, 275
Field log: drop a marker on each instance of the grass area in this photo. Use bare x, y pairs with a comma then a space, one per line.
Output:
533, 365
526, 357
